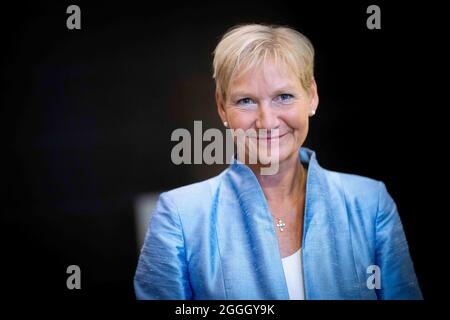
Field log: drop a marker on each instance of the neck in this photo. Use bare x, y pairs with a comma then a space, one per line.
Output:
287, 183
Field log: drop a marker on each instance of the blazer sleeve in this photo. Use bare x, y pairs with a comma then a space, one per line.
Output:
162, 272
398, 278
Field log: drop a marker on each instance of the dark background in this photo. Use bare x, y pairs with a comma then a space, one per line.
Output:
87, 116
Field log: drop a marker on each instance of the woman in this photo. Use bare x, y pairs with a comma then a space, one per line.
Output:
302, 232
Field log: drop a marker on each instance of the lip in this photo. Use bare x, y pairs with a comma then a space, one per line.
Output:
272, 138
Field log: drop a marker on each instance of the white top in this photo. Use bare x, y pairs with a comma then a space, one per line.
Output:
293, 271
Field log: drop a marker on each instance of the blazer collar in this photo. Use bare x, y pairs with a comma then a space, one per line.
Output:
323, 264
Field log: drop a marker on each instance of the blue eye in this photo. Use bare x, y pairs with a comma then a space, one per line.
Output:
284, 98
245, 101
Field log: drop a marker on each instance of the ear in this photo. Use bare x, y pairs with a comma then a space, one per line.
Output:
220, 107
314, 96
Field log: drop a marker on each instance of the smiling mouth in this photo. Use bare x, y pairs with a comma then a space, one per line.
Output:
272, 138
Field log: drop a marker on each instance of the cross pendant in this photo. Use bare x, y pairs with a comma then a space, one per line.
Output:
281, 224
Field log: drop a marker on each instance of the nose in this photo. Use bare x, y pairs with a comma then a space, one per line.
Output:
267, 117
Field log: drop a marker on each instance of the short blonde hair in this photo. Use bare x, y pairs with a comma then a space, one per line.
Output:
246, 46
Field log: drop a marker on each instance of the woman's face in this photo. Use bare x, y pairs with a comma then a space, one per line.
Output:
270, 98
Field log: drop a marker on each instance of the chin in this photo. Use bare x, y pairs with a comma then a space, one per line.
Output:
271, 153
275, 155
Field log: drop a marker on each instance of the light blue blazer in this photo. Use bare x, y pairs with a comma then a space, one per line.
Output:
216, 240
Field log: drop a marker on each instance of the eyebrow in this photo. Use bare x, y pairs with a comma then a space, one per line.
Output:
279, 90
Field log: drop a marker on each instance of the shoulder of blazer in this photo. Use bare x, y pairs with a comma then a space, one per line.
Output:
196, 198
357, 191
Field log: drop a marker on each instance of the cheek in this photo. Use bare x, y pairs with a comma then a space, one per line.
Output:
301, 128
298, 122
296, 119
240, 119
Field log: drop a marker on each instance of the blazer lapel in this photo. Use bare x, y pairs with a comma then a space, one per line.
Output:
328, 262
253, 269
